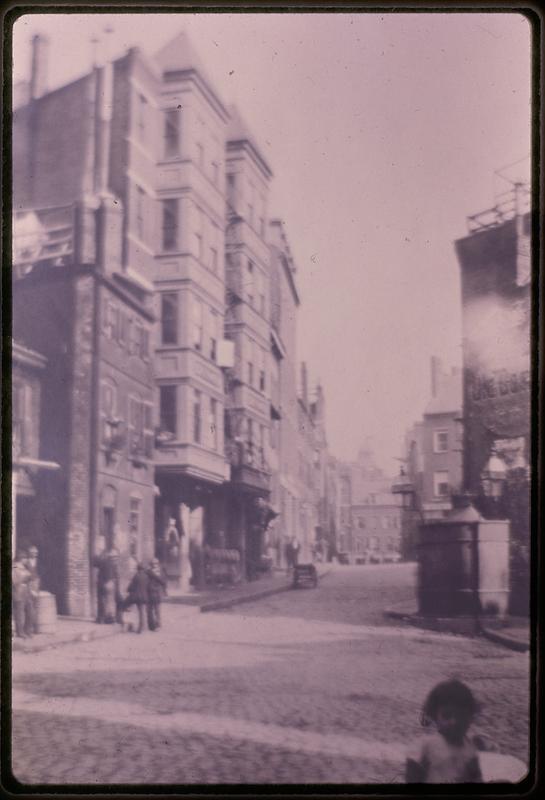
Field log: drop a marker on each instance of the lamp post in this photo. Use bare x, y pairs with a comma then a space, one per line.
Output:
493, 478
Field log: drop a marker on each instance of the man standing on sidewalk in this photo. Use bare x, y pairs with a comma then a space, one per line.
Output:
31, 605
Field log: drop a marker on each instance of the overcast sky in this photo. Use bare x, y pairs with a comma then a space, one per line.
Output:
384, 132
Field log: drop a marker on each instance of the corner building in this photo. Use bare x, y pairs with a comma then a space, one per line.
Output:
169, 130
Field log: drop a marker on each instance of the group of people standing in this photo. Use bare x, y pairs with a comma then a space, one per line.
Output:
145, 592
25, 592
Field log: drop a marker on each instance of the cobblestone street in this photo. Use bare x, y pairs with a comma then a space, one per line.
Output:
308, 686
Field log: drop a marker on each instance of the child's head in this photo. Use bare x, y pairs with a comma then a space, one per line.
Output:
451, 706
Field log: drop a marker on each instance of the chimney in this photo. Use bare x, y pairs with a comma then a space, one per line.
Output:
436, 370
304, 384
38, 69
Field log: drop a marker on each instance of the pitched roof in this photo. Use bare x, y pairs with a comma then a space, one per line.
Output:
179, 55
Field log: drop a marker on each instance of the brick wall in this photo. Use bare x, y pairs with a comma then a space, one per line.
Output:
53, 146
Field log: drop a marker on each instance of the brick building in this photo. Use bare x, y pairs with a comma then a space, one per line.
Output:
79, 304
141, 211
92, 327
433, 446
370, 513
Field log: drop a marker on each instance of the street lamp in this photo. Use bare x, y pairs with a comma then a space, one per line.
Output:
493, 477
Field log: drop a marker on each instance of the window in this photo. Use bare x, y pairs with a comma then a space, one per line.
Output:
251, 205
250, 373
214, 423
250, 283
361, 522
172, 133
262, 216
250, 426
135, 504
260, 291
199, 233
196, 416
149, 436
169, 318
168, 409
200, 155
170, 224
136, 426
19, 419
440, 483
440, 441
231, 189
214, 237
108, 411
214, 333
142, 114
262, 371
140, 200
197, 323
262, 445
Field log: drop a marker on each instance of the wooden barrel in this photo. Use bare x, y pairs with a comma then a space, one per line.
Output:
47, 613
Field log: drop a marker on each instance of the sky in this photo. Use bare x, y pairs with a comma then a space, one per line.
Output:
384, 132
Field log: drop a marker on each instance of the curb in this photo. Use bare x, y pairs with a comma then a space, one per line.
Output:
78, 637
493, 636
506, 641
216, 605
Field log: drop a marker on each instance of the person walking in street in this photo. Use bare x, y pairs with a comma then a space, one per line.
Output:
20, 579
31, 605
156, 590
447, 755
138, 595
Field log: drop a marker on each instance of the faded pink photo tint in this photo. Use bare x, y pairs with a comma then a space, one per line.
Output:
270, 405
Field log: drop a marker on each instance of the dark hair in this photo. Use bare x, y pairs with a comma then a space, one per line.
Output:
453, 693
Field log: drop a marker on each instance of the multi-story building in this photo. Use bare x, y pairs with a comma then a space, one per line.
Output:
371, 512
308, 472
138, 184
73, 302
433, 446
168, 135
248, 325
285, 490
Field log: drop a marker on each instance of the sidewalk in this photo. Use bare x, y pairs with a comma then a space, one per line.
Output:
511, 632
219, 598
68, 630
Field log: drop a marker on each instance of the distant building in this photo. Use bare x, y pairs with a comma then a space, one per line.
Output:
370, 512
285, 301
434, 445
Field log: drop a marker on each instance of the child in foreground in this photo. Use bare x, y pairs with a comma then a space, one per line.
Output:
447, 755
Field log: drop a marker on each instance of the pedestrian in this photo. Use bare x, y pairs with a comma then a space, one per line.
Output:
295, 548
447, 755
156, 590
20, 579
138, 594
31, 605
